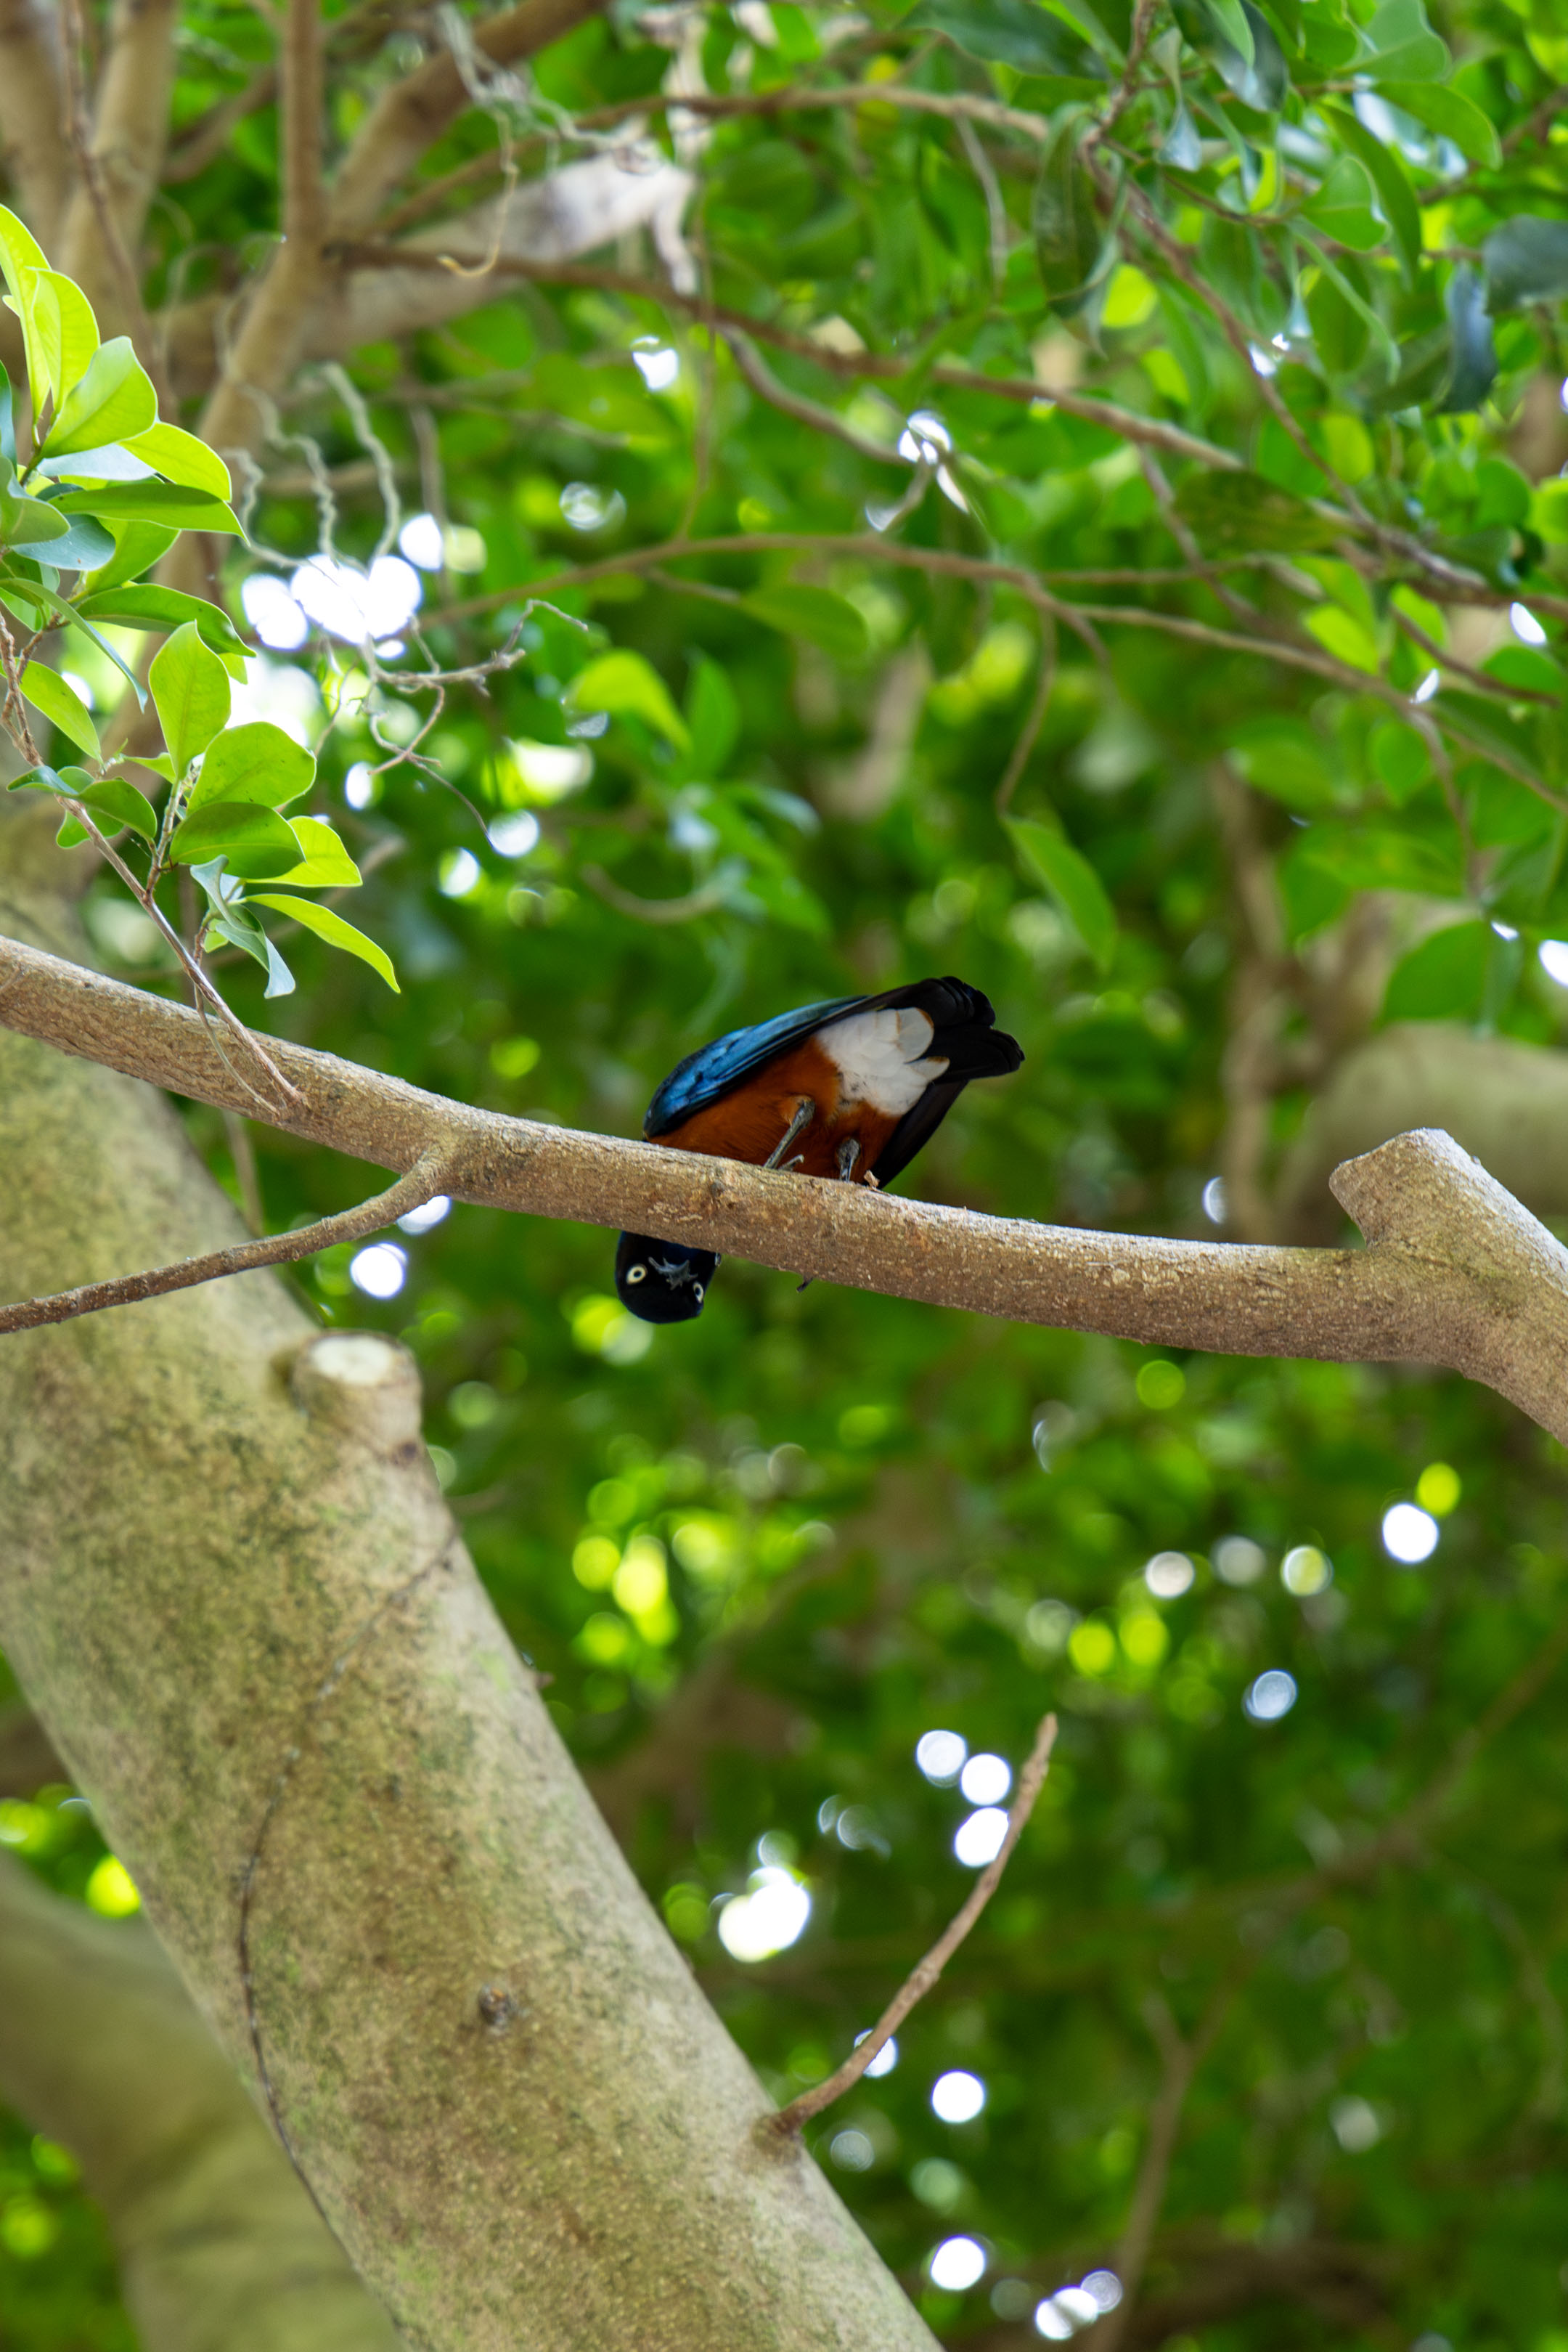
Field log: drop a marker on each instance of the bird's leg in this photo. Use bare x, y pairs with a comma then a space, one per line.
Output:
848, 1152
805, 1112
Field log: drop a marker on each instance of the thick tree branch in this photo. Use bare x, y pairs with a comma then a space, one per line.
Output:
101, 2047
1455, 1273
413, 114
125, 146
37, 155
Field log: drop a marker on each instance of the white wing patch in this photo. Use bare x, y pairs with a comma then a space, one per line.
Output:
878, 1058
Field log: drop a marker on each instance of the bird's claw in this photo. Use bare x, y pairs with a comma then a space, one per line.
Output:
848, 1152
805, 1112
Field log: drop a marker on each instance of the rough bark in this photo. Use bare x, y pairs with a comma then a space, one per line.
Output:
220, 2248
230, 1587
1455, 1273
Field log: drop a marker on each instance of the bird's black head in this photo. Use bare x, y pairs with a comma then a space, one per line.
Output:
663, 1282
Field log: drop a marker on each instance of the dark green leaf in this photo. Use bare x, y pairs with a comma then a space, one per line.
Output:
1017, 33
818, 615
1526, 260
1448, 112
1474, 354
1395, 193
1444, 979
1070, 243
1232, 512
1401, 45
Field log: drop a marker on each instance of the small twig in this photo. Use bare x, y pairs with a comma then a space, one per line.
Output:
1179, 2062
410, 1192
804, 412
706, 900
789, 2120
1025, 745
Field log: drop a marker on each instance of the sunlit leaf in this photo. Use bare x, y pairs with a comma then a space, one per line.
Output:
179, 457
190, 689
61, 705
230, 828
255, 762
113, 399
330, 927
627, 686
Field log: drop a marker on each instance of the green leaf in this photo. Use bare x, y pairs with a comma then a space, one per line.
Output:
84, 544
62, 706
179, 457
1232, 512
1395, 193
1450, 114
190, 688
1071, 247
42, 601
1445, 978
22, 259
162, 502
1474, 368
118, 803
28, 522
1340, 634
1401, 45
713, 714
241, 929
113, 399
138, 546
1284, 758
1072, 882
255, 762
1526, 260
41, 779
330, 927
325, 865
1231, 19
1364, 857
1341, 207
164, 609
1015, 33
628, 687
66, 327
226, 828
822, 618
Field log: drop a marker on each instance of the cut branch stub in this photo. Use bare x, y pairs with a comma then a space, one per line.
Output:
1456, 1272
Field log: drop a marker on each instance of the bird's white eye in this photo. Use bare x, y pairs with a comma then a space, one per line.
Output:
698, 1292
636, 1272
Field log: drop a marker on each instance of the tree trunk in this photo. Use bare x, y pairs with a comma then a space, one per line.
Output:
234, 1593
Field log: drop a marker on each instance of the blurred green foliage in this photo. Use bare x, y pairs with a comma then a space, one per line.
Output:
856, 1519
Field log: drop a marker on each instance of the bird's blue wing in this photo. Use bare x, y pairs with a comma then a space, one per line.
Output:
714, 1070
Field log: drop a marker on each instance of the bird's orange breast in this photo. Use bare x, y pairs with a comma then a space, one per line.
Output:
749, 1123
